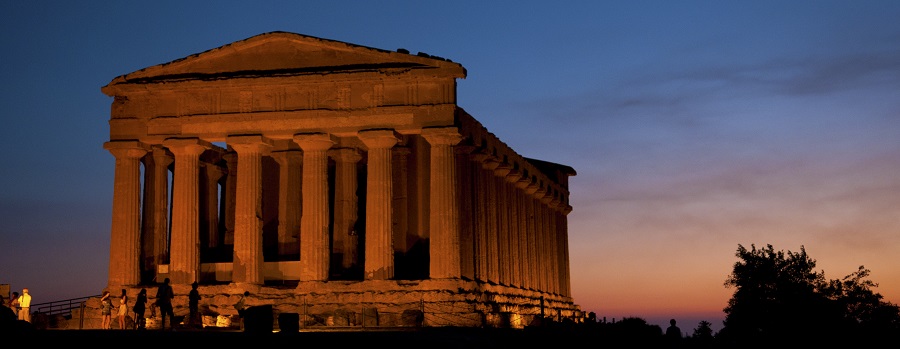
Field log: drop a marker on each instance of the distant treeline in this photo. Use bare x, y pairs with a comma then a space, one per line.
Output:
780, 300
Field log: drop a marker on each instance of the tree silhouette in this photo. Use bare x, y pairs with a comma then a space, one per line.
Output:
780, 297
867, 310
703, 331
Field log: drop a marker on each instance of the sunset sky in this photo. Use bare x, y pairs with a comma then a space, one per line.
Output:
694, 126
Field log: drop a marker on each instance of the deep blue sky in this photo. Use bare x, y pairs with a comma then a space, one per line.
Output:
694, 126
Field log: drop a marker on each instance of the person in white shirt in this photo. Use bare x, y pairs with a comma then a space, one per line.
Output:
25, 305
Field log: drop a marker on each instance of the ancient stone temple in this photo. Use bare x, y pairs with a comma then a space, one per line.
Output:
336, 181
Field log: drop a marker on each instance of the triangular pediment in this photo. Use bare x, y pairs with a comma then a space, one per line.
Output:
283, 53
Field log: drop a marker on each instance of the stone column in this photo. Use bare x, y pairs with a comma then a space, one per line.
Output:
534, 277
289, 202
124, 251
155, 232
314, 250
346, 201
522, 201
400, 191
541, 237
184, 258
491, 220
549, 255
443, 203
482, 253
503, 222
230, 188
562, 247
248, 253
564, 237
554, 247
210, 206
514, 219
379, 263
466, 174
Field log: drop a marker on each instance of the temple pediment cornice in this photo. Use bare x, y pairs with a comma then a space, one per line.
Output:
283, 54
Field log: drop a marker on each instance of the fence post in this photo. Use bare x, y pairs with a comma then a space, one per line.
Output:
81, 316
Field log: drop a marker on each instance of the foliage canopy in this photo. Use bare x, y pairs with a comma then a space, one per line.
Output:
780, 296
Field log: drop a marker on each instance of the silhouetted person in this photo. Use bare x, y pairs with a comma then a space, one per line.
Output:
14, 303
105, 310
164, 295
194, 305
140, 307
7, 316
241, 306
10, 323
673, 334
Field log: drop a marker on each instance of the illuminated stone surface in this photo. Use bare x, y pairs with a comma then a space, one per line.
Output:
332, 180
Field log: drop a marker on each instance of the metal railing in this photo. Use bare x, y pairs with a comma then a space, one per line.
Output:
63, 307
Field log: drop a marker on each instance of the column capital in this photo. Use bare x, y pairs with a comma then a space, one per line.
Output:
314, 141
465, 149
213, 171
187, 145
345, 154
126, 149
555, 202
514, 175
523, 182
249, 143
546, 198
442, 135
502, 169
288, 156
479, 156
490, 163
160, 153
375, 139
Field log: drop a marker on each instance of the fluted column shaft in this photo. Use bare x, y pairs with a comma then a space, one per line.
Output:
554, 249
400, 192
553, 236
534, 278
466, 174
248, 254
541, 231
491, 221
155, 236
124, 254
228, 206
210, 206
444, 203
314, 249
514, 232
379, 264
184, 260
482, 253
346, 202
289, 201
564, 233
503, 223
